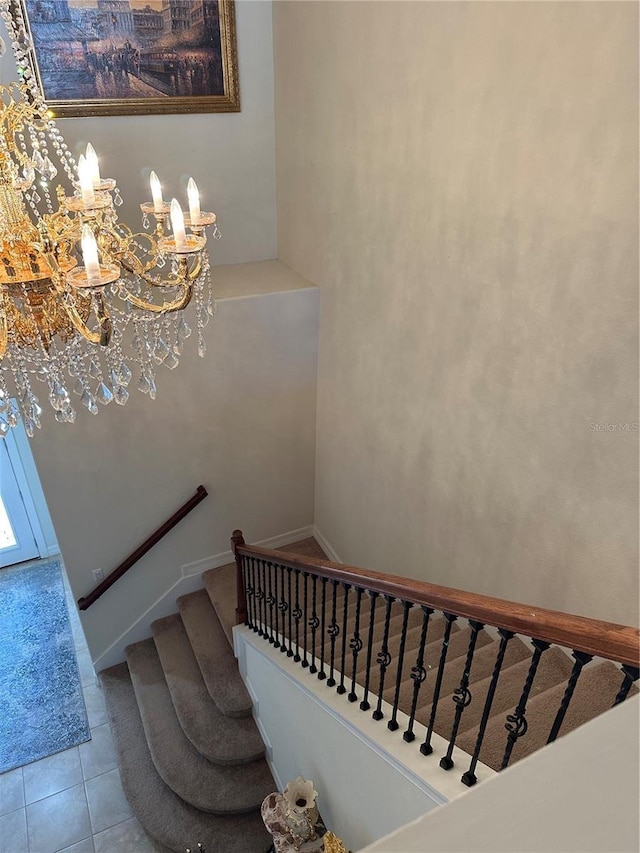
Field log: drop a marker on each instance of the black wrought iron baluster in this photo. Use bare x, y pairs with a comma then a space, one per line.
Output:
462, 694
355, 644
393, 724
384, 657
426, 748
631, 674
469, 778
248, 590
364, 705
333, 630
254, 593
262, 580
313, 624
516, 723
255, 573
305, 662
323, 627
418, 673
581, 658
251, 594
276, 608
283, 606
290, 611
297, 614
341, 688
270, 602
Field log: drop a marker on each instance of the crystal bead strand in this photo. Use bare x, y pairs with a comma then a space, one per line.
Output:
83, 388
146, 383
171, 360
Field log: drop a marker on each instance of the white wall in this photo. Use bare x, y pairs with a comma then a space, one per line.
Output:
230, 155
460, 180
579, 795
241, 421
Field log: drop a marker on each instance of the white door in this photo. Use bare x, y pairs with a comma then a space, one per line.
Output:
17, 541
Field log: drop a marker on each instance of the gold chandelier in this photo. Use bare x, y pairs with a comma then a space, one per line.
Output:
82, 296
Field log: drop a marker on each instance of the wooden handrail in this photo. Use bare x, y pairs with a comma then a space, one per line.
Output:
619, 643
141, 550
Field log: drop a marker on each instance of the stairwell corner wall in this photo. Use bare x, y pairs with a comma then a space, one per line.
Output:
461, 182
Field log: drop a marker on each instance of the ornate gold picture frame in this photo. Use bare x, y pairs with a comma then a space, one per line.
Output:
133, 57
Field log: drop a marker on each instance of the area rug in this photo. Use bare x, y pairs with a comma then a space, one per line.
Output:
42, 708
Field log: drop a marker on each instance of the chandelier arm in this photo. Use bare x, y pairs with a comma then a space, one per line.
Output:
185, 274
102, 337
166, 307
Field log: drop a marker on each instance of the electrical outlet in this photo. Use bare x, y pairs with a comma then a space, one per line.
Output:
98, 575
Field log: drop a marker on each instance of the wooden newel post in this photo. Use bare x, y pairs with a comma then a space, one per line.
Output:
241, 609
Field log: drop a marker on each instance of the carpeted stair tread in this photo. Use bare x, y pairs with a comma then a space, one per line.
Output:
220, 584
214, 655
481, 670
594, 694
221, 739
483, 663
458, 644
554, 668
207, 786
305, 548
435, 632
163, 814
410, 654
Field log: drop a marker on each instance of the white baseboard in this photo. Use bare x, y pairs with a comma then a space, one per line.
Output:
226, 557
190, 580
165, 605
326, 546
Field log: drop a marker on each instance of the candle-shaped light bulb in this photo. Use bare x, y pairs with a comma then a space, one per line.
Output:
92, 159
194, 202
156, 193
86, 182
177, 224
90, 255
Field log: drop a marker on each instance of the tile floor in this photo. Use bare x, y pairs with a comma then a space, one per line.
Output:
72, 801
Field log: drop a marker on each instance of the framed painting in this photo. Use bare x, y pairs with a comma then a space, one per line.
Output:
125, 57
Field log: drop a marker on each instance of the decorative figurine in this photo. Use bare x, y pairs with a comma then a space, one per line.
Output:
293, 820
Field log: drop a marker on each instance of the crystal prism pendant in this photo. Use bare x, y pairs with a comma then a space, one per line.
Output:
103, 395
120, 395
161, 351
48, 170
124, 374
59, 396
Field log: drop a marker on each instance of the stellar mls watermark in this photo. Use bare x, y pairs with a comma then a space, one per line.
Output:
613, 426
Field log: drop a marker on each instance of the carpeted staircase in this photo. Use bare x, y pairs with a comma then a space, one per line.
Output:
192, 760
594, 694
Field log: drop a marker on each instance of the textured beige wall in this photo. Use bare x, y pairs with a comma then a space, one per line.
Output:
241, 421
461, 180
